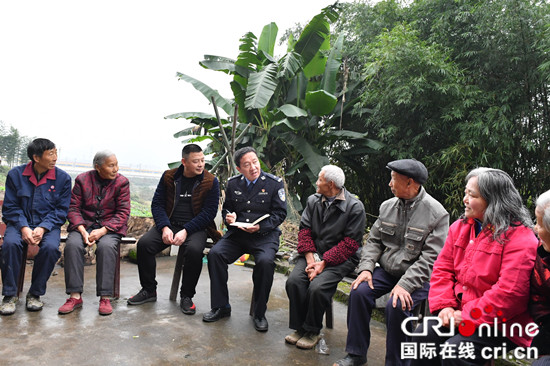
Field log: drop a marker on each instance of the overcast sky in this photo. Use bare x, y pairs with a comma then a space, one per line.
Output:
93, 75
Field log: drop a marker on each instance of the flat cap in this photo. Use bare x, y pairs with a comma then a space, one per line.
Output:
412, 168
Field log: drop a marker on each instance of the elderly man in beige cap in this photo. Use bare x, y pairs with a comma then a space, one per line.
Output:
405, 241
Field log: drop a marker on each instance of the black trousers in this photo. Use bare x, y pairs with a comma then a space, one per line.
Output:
228, 250
309, 299
151, 244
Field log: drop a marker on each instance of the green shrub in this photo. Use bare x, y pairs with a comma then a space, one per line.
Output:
139, 209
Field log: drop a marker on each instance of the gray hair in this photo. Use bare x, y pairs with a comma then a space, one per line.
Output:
334, 174
101, 156
505, 207
543, 202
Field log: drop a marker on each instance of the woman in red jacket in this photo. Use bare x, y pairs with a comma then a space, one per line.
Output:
479, 287
98, 214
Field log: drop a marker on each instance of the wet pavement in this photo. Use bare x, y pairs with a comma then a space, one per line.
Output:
159, 333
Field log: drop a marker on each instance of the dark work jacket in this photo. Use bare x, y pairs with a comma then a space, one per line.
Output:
336, 232
204, 201
267, 197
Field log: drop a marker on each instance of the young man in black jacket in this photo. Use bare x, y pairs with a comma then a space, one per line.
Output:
184, 207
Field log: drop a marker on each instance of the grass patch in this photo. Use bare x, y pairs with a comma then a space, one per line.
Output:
140, 209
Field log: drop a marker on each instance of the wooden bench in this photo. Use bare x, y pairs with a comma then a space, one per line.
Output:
123, 240
63, 239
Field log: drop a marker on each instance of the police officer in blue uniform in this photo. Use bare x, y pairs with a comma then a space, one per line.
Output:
249, 196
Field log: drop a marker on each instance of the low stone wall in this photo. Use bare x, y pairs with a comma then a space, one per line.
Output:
137, 226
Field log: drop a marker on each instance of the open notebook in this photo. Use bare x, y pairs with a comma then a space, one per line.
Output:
249, 224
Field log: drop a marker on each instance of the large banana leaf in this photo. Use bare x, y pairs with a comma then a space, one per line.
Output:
223, 64
189, 115
186, 132
293, 125
290, 110
315, 33
314, 159
248, 57
194, 139
316, 66
268, 38
289, 65
320, 102
292, 170
208, 92
261, 86
332, 66
174, 165
208, 124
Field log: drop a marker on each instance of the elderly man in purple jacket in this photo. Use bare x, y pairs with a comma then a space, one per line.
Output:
35, 206
98, 214
331, 232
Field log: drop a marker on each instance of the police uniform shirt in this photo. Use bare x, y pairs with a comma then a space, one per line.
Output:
267, 196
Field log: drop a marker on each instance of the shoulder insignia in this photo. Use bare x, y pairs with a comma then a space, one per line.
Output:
281, 193
274, 177
233, 177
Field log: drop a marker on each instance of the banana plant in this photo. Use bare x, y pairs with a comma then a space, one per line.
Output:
290, 103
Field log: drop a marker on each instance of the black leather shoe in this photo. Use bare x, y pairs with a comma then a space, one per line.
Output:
260, 324
352, 360
216, 314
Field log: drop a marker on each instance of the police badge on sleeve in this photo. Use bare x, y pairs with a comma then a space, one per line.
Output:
281, 193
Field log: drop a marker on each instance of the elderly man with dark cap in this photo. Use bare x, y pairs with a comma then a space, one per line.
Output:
405, 241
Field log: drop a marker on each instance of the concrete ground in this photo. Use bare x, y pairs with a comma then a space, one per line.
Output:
159, 333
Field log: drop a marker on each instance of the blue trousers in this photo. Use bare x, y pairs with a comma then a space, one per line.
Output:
360, 305
44, 262
228, 250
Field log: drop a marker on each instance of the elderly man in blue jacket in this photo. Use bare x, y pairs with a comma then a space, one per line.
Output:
35, 206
